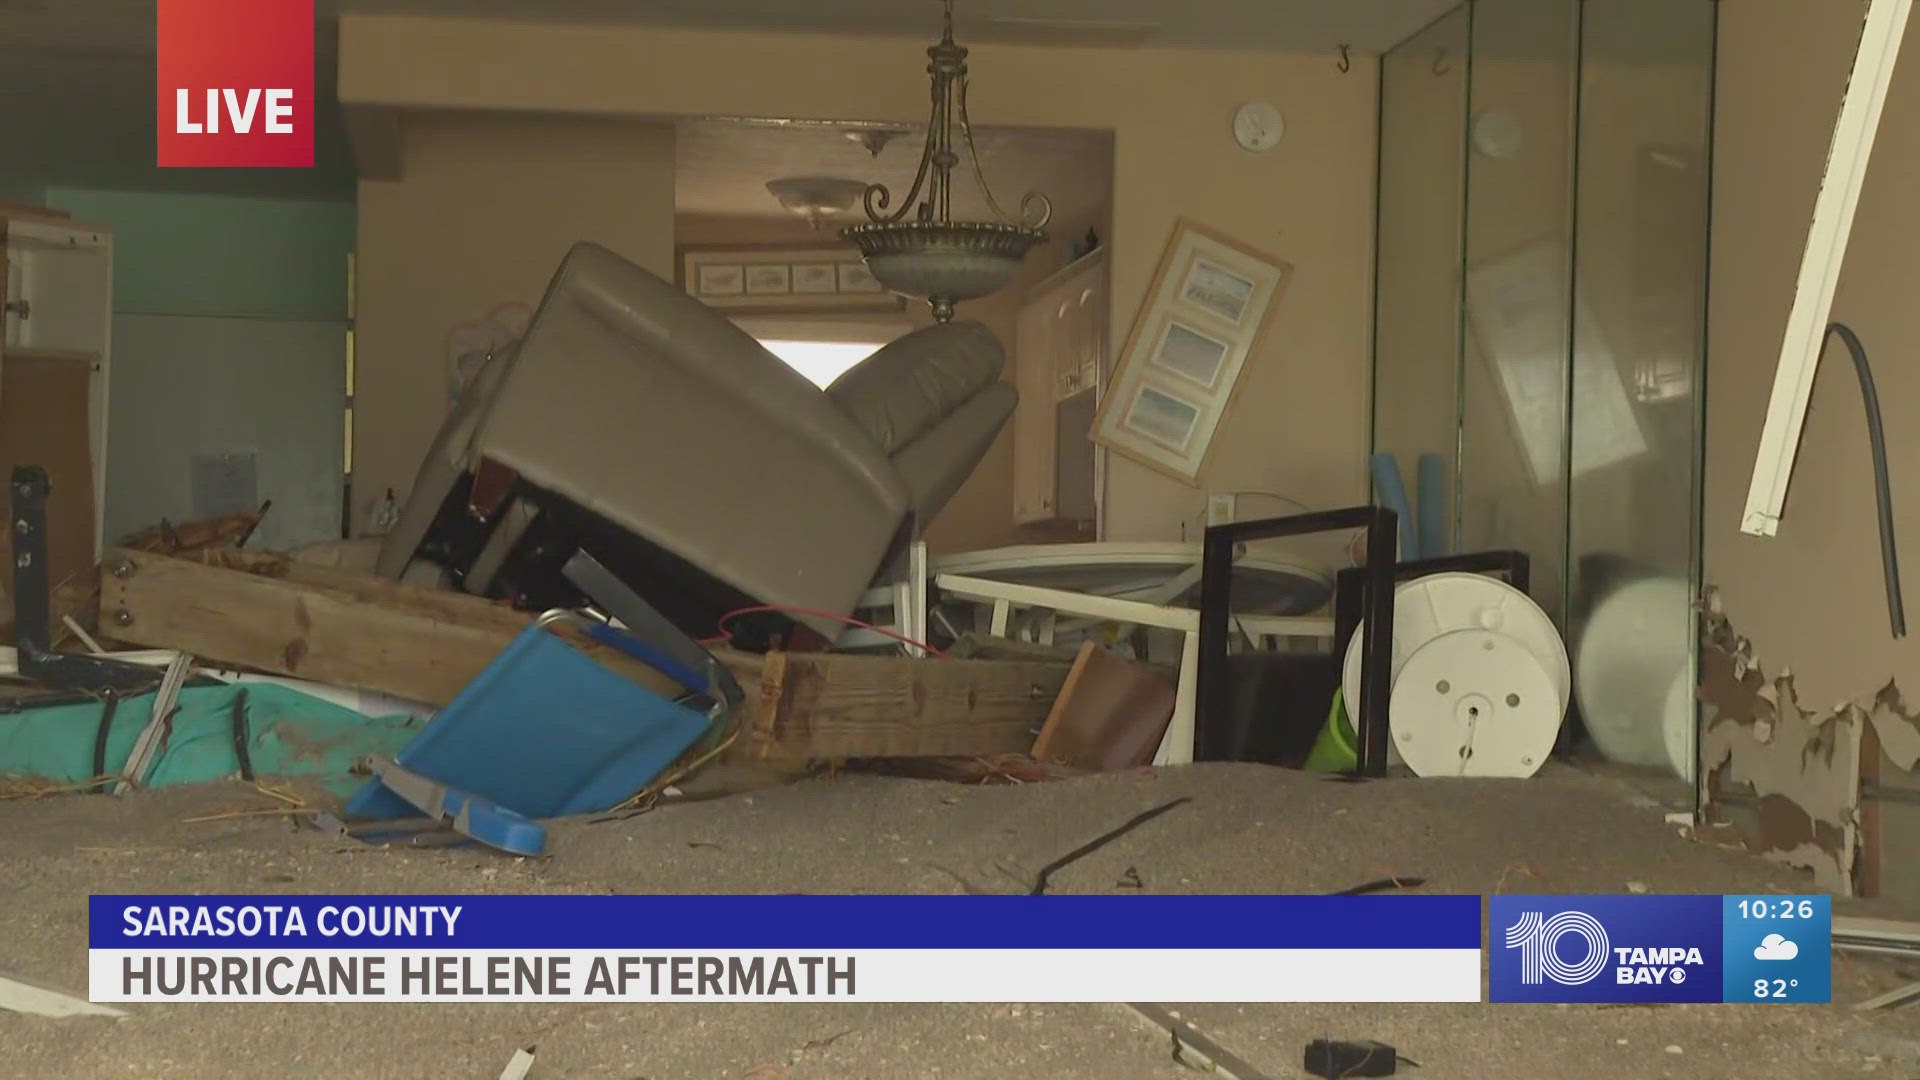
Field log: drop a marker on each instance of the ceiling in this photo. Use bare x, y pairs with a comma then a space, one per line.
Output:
1366, 25
722, 166
76, 76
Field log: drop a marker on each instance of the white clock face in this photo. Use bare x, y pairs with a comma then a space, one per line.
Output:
1258, 126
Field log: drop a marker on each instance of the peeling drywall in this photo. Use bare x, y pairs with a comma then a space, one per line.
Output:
1897, 726
1803, 767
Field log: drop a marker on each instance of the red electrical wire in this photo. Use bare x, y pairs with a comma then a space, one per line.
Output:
720, 625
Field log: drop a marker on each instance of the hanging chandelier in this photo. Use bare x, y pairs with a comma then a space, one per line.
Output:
933, 257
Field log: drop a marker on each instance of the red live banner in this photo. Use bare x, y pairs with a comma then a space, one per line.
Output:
235, 85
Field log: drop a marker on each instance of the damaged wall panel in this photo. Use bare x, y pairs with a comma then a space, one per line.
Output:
1802, 766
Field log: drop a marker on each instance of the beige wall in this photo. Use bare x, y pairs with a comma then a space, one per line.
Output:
1299, 426
1811, 597
485, 210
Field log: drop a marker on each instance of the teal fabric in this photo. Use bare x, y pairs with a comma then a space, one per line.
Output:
290, 734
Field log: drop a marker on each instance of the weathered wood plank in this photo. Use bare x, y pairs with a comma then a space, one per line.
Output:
1111, 714
823, 706
321, 623
354, 629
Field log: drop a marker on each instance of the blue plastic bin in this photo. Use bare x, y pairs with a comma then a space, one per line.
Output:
544, 731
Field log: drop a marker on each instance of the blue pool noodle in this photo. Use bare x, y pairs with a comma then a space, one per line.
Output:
1431, 488
1391, 490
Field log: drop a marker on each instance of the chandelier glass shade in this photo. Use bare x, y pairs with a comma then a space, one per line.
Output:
816, 197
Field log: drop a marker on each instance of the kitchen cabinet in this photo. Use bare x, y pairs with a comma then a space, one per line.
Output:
1060, 357
55, 327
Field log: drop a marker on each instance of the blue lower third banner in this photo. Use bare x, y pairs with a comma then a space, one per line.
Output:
1660, 948
785, 948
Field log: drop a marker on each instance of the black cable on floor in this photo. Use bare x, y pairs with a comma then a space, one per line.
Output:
1382, 885
241, 736
1098, 842
1882, 490
111, 705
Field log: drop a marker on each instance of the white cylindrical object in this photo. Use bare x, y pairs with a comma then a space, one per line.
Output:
1475, 703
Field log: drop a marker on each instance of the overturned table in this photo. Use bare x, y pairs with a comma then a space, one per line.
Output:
1147, 584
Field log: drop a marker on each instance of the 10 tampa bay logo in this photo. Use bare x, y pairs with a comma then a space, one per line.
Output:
1605, 948
1539, 940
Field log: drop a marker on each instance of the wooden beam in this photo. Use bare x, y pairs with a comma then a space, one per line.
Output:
321, 623
829, 706
354, 629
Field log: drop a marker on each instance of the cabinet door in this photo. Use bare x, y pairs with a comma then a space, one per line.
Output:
1090, 296
1033, 418
1067, 336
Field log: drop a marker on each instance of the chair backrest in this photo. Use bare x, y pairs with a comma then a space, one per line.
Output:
915, 381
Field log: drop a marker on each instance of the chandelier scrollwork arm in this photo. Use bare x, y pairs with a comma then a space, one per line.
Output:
1035, 209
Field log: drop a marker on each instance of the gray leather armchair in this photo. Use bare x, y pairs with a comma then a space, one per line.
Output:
646, 427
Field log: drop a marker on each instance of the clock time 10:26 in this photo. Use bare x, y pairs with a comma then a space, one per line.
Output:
1775, 909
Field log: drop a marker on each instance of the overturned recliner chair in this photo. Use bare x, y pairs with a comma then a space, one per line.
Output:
638, 424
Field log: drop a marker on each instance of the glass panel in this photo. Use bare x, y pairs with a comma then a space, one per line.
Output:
1640, 267
1423, 99
1518, 261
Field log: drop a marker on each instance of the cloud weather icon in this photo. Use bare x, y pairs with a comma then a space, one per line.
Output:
1775, 947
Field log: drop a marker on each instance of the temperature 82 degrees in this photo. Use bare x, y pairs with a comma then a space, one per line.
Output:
1777, 948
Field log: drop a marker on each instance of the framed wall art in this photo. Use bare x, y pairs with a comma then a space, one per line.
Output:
1206, 312
1517, 311
767, 280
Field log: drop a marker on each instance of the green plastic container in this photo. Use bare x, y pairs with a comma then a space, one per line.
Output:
1336, 750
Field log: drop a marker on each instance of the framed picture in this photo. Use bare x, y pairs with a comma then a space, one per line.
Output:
1205, 314
1160, 416
722, 279
765, 279
1191, 354
748, 279
1212, 287
816, 278
1517, 310
856, 278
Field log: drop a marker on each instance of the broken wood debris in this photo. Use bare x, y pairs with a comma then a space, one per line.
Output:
18, 995
74, 605
1192, 1048
1110, 713
519, 1065
835, 706
354, 629
330, 625
996, 769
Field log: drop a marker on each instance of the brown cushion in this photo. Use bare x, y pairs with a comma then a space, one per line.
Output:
913, 382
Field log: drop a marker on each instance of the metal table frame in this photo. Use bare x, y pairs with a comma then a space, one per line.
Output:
1216, 599
1177, 745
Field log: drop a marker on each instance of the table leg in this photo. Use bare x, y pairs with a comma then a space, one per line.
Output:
1176, 747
